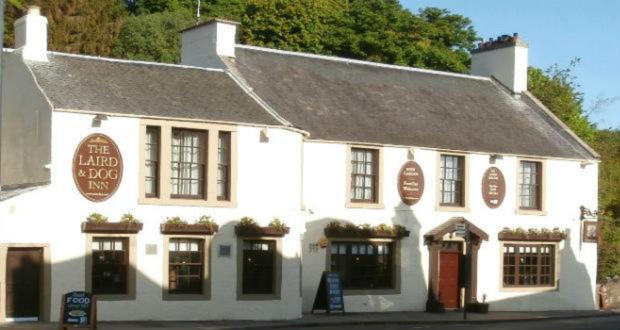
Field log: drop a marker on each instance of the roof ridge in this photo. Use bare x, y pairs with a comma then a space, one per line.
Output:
119, 60
361, 62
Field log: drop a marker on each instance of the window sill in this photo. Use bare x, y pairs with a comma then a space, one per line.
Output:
531, 212
258, 297
369, 292
529, 289
447, 208
115, 296
185, 296
186, 202
362, 205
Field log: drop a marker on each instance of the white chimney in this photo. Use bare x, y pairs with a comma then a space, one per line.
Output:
504, 58
31, 35
205, 44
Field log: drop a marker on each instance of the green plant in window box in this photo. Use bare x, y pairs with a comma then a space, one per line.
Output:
277, 225
351, 229
478, 307
365, 230
175, 221
207, 222
128, 218
97, 218
248, 227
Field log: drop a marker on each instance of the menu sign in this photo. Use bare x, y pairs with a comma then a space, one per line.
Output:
77, 308
97, 167
329, 294
493, 187
410, 183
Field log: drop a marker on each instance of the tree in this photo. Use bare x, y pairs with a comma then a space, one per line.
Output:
556, 88
75, 26
152, 37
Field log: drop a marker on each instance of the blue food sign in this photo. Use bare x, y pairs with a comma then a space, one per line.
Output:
77, 306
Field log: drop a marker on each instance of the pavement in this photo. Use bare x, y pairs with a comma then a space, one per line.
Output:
347, 320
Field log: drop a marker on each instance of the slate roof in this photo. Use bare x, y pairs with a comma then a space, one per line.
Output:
146, 89
339, 100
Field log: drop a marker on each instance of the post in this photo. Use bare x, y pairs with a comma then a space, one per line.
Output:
467, 271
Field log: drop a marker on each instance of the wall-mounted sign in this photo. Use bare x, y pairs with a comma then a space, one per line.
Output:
97, 167
590, 231
493, 187
410, 183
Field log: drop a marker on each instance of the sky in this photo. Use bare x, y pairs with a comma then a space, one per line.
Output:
557, 32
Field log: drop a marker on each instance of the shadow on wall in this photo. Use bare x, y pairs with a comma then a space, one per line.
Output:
218, 302
574, 291
410, 287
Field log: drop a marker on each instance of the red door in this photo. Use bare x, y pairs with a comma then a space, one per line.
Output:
449, 278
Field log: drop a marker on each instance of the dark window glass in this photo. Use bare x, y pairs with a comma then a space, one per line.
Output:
451, 181
188, 163
110, 259
364, 175
223, 166
151, 177
258, 267
363, 265
530, 179
528, 265
185, 265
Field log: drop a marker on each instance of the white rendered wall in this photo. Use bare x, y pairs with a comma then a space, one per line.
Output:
268, 186
508, 65
568, 186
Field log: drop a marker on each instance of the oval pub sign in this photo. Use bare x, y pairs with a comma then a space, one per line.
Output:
97, 167
410, 183
493, 187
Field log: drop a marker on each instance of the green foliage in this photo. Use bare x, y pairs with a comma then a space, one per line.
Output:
175, 221
97, 218
152, 37
609, 246
277, 224
556, 88
75, 26
129, 219
247, 222
208, 222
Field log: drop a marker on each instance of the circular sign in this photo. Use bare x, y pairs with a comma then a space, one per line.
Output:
410, 183
493, 187
97, 167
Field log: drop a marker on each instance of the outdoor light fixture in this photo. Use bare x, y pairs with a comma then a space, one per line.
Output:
264, 135
97, 120
410, 154
494, 157
585, 163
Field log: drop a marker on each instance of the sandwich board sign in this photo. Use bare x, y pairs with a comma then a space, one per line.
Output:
78, 310
329, 295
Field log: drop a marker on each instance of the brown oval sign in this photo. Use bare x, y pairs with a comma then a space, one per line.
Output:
493, 187
410, 183
97, 167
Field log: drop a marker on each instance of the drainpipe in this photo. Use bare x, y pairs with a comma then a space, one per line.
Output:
2, 5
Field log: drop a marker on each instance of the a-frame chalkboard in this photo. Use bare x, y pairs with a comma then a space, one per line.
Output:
329, 295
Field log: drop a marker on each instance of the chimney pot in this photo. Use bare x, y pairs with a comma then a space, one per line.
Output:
34, 10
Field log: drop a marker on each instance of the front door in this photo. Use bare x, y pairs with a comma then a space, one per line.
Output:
23, 282
449, 278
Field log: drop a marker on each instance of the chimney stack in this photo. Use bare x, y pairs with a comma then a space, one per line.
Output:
504, 58
31, 35
205, 44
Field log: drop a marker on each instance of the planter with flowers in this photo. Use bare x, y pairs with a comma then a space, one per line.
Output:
247, 227
97, 223
349, 230
203, 226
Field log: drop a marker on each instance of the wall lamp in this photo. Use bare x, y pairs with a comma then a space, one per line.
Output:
494, 157
97, 120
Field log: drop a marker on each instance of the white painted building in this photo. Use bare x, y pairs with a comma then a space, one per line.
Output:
239, 131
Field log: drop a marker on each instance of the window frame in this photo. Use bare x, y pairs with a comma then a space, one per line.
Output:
531, 288
210, 186
157, 177
396, 265
203, 184
277, 271
130, 293
459, 191
542, 176
226, 182
350, 202
205, 294
464, 205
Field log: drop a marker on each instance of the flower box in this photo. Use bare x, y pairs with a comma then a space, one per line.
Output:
111, 227
510, 235
365, 233
188, 229
257, 231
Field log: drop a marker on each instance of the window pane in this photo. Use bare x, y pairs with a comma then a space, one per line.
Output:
223, 166
258, 267
529, 185
528, 265
187, 163
363, 175
151, 161
185, 265
451, 180
109, 265
363, 265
